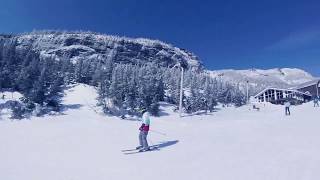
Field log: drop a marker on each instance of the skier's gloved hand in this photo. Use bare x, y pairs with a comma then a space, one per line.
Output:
141, 127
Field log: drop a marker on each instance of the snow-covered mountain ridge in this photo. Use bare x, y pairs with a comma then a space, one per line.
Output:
259, 79
93, 46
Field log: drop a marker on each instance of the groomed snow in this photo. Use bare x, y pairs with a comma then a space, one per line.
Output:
232, 143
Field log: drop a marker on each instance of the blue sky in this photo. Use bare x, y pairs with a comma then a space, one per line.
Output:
224, 34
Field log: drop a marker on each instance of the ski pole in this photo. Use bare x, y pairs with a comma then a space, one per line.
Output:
158, 132
151, 142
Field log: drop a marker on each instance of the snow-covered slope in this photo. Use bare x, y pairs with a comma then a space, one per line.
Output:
259, 79
232, 143
93, 46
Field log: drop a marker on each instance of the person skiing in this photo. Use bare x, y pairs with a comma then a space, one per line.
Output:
144, 129
287, 105
316, 102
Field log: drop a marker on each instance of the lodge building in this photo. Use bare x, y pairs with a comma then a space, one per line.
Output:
302, 93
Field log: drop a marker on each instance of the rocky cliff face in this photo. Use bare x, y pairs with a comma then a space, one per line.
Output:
92, 46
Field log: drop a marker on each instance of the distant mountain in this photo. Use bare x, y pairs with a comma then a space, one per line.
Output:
260, 79
92, 46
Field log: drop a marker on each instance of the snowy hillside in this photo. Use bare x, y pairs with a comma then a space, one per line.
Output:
98, 47
232, 143
260, 79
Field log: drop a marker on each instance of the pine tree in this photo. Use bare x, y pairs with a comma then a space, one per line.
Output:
37, 94
28, 74
209, 94
79, 71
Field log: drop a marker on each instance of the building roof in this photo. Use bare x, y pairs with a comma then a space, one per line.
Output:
307, 84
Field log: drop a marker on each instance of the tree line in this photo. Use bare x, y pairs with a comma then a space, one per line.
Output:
128, 87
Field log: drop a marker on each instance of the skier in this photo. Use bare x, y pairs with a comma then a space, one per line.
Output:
287, 105
144, 129
316, 102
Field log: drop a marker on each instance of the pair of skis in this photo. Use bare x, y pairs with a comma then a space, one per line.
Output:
136, 151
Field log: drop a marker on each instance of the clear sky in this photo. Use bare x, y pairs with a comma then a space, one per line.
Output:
237, 34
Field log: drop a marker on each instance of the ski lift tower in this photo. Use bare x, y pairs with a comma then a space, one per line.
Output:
318, 86
247, 85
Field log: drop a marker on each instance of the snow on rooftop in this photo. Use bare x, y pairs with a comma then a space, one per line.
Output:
306, 84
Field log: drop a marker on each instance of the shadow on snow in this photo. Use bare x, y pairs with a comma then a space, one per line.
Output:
165, 144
